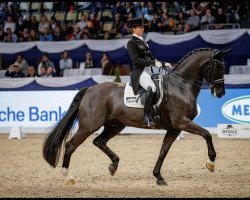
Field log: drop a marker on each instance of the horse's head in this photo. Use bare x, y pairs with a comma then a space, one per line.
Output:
214, 72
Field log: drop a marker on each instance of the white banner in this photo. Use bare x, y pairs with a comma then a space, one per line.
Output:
233, 130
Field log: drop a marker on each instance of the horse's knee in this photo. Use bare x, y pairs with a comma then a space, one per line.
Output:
98, 142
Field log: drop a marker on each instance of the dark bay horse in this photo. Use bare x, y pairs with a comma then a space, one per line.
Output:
103, 105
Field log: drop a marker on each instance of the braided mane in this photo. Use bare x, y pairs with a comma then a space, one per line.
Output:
189, 54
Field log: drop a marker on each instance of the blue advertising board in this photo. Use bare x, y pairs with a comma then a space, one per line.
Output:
233, 107
44, 108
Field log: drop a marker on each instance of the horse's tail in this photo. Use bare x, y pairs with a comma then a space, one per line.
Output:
58, 135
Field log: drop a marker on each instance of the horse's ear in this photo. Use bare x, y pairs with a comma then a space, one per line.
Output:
217, 55
225, 52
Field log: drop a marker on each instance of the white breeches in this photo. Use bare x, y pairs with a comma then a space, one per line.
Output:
146, 81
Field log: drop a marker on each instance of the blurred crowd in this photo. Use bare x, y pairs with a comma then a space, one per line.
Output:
45, 67
40, 21
108, 20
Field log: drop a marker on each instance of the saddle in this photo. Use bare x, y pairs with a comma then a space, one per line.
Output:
137, 100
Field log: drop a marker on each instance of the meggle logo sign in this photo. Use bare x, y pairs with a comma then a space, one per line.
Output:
237, 109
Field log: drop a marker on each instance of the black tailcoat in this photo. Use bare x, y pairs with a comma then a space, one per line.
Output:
141, 57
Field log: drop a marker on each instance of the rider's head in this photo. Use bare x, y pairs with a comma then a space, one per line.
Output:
136, 26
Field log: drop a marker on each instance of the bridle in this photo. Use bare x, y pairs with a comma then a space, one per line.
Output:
211, 83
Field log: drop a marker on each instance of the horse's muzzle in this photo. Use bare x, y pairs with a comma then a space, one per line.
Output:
218, 92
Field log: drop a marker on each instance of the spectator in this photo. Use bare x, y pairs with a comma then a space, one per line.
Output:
208, 18
142, 8
120, 9
10, 37
164, 7
174, 9
24, 36
45, 62
33, 23
105, 62
58, 35
10, 24
94, 25
151, 11
88, 62
230, 13
200, 8
117, 26
193, 22
33, 36
22, 63
11, 12
155, 24
20, 26
130, 9
54, 23
167, 23
180, 23
86, 34
14, 71
65, 63
32, 72
44, 23
220, 18
50, 72
43, 71
83, 23
46, 35
77, 33
125, 29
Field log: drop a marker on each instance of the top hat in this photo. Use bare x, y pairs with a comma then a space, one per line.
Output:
135, 22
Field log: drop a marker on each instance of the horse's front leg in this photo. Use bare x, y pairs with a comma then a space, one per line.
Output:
168, 140
191, 127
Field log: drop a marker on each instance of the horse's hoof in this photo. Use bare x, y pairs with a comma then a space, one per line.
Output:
112, 170
161, 182
70, 181
210, 166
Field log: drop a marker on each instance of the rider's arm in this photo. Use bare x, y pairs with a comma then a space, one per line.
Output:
132, 48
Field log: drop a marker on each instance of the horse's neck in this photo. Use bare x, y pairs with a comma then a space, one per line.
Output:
191, 66
191, 70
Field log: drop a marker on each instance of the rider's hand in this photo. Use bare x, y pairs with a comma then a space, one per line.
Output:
167, 65
158, 63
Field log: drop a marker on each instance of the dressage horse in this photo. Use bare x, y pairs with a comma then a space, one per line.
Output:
103, 105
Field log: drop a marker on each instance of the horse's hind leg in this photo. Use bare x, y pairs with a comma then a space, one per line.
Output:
79, 137
111, 129
168, 140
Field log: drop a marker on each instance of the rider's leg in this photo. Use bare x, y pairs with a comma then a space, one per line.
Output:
147, 83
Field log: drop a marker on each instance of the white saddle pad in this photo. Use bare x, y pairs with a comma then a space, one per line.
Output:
131, 100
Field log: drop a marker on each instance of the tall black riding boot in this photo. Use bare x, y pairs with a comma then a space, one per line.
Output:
148, 121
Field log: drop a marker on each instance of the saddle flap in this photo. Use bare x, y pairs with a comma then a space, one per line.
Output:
137, 100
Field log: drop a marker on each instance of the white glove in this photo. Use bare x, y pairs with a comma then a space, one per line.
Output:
158, 63
168, 65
